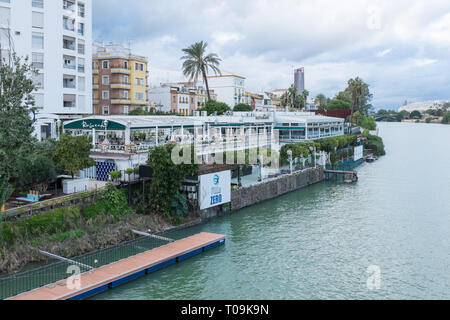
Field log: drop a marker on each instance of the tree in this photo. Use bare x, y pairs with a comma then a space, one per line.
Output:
72, 153
242, 107
359, 96
416, 115
305, 95
167, 178
5, 187
37, 172
212, 107
321, 101
198, 63
344, 96
446, 118
16, 106
338, 104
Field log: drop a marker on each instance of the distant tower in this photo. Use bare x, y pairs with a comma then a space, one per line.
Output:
299, 80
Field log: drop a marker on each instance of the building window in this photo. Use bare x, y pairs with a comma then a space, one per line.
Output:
81, 10
68, 24
81, 47
38, 80
37, 20
81, 65
139, 81
105, 64
125, 109
139, 96
69, 62
126, 95
105, 110
38, 60
105, 80
81, 29
69, 82
5, 16
36, 3
105, 95
38, 40
139, 66
68, 43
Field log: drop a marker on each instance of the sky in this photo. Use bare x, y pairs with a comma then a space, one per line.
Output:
401, 48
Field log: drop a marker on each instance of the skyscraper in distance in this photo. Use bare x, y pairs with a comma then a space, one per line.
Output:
299, 80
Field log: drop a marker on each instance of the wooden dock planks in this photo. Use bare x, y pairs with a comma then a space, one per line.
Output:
120, 272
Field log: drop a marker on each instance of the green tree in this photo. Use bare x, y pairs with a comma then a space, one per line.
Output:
242, 107
16, 106
321, 101
359, 96
72, 153
5, 187
197, 63
416, 115
36, 171
344, 96
446, 118
338, 104
212, 107
167, 178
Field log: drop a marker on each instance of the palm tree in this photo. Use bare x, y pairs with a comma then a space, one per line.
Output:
356, 87
321, 100
197, 62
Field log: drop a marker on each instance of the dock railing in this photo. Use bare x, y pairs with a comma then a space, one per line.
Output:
16, 284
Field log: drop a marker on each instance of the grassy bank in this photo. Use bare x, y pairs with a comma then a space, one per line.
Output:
72, 231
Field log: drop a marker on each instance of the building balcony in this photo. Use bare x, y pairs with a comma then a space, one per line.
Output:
95, 101
95, 86
120, 101
95, 71
121, 85
120, 71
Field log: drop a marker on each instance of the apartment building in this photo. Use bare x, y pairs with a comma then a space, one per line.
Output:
56, 36
256, 101
181, 97
120, 80
229, 88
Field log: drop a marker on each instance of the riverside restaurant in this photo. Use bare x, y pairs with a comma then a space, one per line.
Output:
122, 142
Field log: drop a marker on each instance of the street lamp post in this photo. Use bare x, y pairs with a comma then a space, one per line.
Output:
289, 152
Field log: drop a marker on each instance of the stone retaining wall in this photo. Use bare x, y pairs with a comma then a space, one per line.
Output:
246, 197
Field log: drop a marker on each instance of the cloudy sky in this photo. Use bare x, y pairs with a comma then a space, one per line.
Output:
400, 47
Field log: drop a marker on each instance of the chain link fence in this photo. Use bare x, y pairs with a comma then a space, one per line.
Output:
50, 274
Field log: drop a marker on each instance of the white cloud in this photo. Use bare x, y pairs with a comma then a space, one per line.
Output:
383, 53
263, 40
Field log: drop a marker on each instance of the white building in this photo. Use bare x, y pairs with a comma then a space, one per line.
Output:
229, 88
161, 97
56, 36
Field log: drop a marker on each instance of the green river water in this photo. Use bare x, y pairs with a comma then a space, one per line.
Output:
318, 243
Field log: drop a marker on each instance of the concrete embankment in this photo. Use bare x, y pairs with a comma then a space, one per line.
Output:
245, 197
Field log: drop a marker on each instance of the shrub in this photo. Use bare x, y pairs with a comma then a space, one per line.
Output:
375, 144
115, 175
113, 202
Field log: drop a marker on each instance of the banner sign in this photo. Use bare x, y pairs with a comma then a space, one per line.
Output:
215, 189
359, 153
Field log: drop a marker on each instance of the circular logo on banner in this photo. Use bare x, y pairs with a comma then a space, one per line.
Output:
216, 179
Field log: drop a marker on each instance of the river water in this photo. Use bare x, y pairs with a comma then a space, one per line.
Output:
320, 242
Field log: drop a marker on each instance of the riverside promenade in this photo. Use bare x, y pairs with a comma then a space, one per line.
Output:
126, 270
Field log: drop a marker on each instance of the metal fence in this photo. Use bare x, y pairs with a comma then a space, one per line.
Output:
50, 274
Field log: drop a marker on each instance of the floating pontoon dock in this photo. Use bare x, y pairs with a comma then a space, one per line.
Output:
118, 273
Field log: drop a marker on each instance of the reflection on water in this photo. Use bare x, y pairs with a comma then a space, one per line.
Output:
318, 243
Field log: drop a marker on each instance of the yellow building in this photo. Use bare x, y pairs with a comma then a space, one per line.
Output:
120, 80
